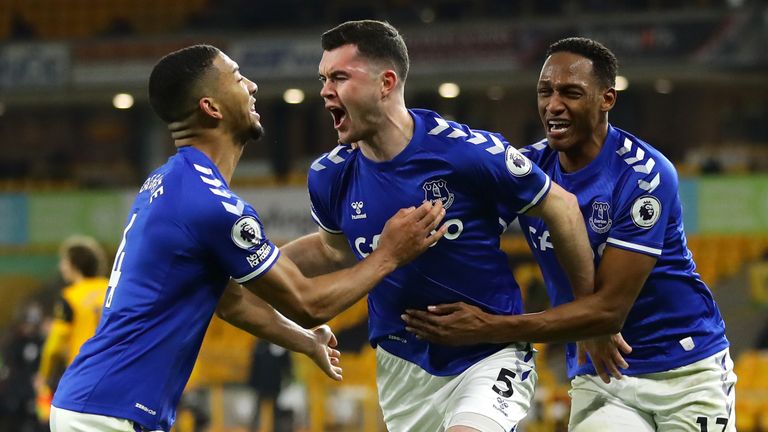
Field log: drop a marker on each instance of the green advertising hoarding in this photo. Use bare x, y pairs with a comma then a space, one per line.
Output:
54, 216
733, 204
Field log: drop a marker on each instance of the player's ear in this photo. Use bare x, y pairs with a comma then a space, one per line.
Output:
608, 99
210, 108
389, 81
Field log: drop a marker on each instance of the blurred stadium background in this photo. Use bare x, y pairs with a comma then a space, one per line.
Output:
77, 137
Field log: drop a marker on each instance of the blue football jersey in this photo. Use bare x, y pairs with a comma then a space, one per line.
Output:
185, 236
629, 198
470, 171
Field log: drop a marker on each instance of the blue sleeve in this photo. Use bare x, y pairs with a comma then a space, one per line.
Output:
321, 195
643, 205
230, 229
508, 177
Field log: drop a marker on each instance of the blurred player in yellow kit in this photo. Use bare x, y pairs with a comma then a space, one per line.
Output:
82, 264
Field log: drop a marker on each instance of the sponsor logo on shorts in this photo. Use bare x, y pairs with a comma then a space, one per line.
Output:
397, 338
145, 409
501, 405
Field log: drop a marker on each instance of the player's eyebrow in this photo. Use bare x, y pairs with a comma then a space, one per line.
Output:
333, 74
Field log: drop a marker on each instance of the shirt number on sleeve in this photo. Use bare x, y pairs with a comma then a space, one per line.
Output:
114, 277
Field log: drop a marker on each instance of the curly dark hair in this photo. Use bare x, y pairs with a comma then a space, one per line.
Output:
604, 63
174, 79
376, 40
84, 254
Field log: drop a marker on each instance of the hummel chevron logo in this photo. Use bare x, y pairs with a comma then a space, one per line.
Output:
202, 169
332, 156
316, 165
645, 169
477, 138
641, 168
640, 155
221, 192
234, 209
441, 126
497, 148
650, 186
211, 181
538, 146
625, 148
216, 183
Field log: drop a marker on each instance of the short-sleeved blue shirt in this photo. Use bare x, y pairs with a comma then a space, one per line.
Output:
187, 233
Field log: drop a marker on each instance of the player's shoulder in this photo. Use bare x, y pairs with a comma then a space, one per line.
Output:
456, 139
538, 152
329, 167
638, 162
196, 192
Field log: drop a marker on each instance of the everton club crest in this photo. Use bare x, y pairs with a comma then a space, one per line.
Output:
438, 190
600, 221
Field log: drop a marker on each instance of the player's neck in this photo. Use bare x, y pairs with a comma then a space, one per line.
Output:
393, 134
224, 152
582, 154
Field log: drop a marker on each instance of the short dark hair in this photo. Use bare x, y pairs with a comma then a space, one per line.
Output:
377, 40
85, 255
174, 79
604, 63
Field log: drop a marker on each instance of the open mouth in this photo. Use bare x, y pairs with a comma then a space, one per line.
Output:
558, 126
252, 110
338, 115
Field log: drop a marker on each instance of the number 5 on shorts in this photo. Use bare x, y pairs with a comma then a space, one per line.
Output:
505, 376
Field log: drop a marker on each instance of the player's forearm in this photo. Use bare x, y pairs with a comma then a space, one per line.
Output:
333, 293
249, 313
571, 243
312, 256
581, 319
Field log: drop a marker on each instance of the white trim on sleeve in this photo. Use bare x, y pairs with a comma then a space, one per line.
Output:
262, 268
537, 198
317, 221
637, 247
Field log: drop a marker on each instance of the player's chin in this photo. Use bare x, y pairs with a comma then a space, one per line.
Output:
559, 143
345, 137
256, 132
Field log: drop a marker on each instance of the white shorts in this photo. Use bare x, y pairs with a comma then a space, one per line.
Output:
698, 397
71, 421
491, 396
